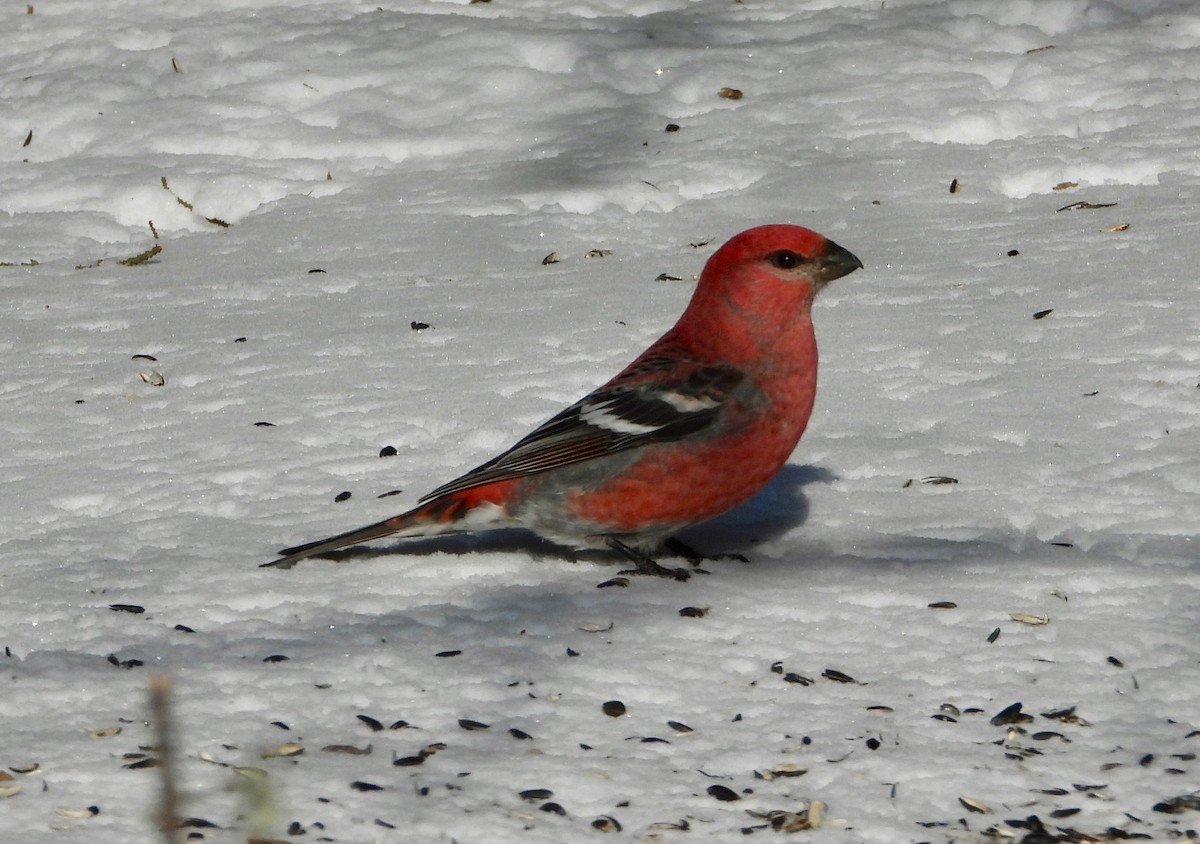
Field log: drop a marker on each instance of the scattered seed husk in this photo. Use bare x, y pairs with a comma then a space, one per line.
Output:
1010, 714
598, 253
1029, 618
838, 676
347, 749
10, 790
25, 769
943, 605
76, 814
135, 609
595, 627
606, 823
723, 793
613, 708
782, 770
153, 377
785, 821
359, 785
468, 724
1080, 206
1119, 227
375, 724
977, 806
798, 679
104, 732
730, 94
1046, 735
552, 258
678, 826
535, 794
288, 748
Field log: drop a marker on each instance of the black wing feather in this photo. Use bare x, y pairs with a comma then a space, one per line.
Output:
640, 414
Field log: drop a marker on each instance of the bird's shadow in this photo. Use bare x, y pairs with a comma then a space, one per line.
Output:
775, 509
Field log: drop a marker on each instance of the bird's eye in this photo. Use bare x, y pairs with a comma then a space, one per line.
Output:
785, 259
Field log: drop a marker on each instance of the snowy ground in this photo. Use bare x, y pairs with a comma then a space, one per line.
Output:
394, 161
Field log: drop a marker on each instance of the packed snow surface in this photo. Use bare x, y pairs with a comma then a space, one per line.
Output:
971, 603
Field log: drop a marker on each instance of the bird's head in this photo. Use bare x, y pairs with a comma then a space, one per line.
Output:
789, 254
757, 290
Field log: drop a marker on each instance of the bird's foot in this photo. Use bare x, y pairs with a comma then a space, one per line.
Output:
681, 549
644, 564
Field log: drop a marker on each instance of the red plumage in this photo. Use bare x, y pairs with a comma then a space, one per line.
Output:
697, 424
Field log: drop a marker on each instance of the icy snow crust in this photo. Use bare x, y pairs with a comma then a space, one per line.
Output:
385, 163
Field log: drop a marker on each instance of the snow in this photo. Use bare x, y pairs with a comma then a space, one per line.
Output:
402, 161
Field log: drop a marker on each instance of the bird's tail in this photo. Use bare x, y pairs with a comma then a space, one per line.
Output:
469, 509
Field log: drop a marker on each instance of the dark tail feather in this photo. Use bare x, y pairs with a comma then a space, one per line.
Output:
442, 515
290, 556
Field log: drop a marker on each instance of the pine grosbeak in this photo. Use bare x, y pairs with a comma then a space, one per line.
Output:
697, 424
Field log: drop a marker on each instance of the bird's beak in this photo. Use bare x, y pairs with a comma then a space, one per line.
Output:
835, 263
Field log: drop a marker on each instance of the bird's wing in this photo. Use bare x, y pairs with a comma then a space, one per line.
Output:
659, 398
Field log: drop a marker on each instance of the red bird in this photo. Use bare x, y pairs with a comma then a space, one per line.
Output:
696, 425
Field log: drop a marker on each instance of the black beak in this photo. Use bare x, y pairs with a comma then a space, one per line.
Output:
835, 263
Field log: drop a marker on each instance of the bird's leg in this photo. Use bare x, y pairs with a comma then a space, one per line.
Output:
643, 564
681, 549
